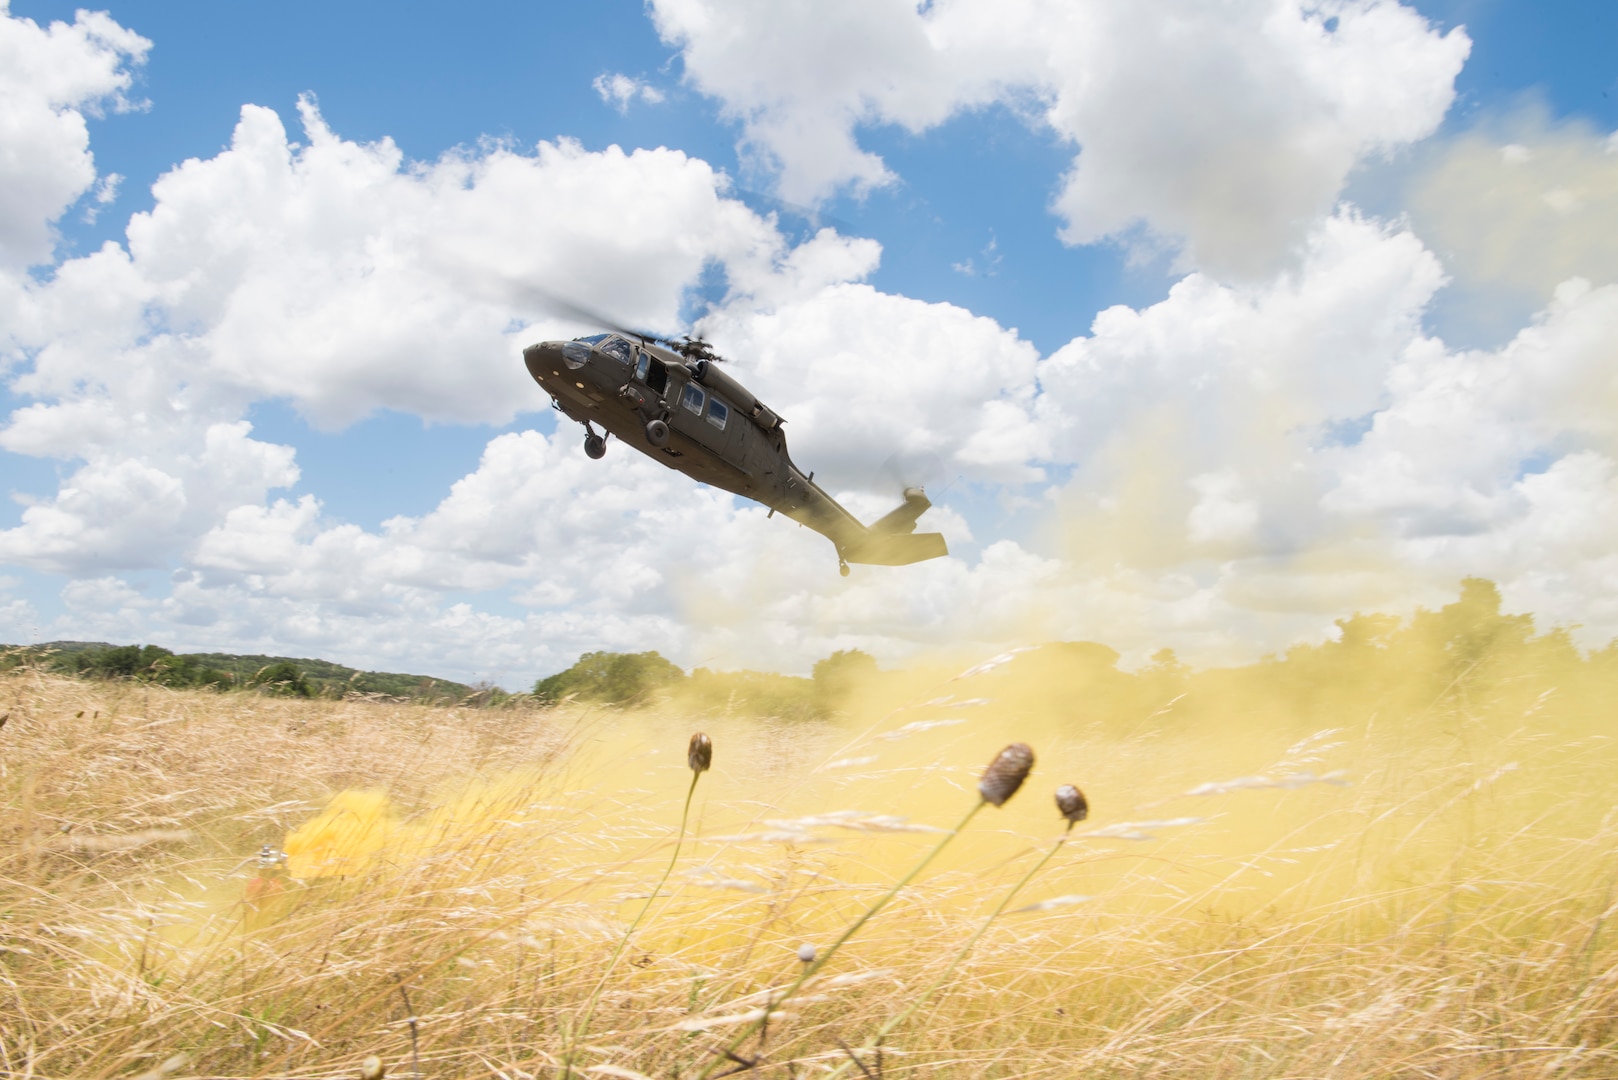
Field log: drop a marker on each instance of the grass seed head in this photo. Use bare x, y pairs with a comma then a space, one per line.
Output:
700, 755
167, 1069
1070, 801
1006, 773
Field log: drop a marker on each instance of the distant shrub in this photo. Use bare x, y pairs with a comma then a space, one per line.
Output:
285, 679
839, 675
751, 693
611, 678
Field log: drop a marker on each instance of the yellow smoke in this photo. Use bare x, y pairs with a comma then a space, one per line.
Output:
343, 839
1397, 760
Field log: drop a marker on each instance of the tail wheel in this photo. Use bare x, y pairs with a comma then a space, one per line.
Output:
842, 567
595, 447
657, 433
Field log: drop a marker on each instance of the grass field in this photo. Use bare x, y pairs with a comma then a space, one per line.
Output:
1400, 862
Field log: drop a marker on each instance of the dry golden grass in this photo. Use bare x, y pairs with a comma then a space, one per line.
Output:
1421, 892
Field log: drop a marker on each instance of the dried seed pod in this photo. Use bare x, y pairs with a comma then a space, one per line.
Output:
1006, 773
1070, 801
700, 755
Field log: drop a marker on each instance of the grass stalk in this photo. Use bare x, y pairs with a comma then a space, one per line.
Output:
577, 1036
729, 1052
921, 999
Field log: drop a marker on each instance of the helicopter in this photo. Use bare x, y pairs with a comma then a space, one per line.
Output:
669, 399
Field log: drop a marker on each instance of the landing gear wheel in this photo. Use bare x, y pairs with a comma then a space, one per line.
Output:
657, 433
842, 567
595, 447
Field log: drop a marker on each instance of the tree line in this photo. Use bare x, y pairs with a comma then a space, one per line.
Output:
275, 675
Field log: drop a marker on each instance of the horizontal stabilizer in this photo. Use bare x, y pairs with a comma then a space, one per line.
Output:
896, 549
903, 520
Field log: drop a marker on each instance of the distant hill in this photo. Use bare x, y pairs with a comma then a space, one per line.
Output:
327, 674
67, 647
302, 676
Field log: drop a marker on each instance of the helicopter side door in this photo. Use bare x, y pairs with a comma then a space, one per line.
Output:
651, 373
705, 418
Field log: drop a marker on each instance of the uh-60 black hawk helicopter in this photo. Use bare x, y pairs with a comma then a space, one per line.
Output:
669, 400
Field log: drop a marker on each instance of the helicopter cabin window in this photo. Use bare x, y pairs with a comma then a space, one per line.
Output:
692, 398
619, 350
642, 364
718, 413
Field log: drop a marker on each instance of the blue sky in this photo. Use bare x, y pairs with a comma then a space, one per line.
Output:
1190, 470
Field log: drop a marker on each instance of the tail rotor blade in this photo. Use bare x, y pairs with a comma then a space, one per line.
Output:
909, 469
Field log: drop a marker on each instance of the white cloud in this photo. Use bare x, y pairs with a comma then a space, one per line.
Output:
49, 78
136, 505
1227, 128
1221, 514
1290, 452
1218, 502
1247, 461
862, 375
343, 279
19, 619
620, 90
1217, 374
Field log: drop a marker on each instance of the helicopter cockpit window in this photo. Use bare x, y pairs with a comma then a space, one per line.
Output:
643, 364
692, 398
593, 339
717, 413
619, 349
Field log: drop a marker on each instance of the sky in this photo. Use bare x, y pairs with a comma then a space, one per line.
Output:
1204, 323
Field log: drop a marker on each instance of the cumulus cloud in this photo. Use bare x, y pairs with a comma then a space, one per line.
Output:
1223, 130
1265, 457
19, 619
863, 375
620, 90
132, 506
1274, 443
1247, 464
623, 554
343, 279
50, 77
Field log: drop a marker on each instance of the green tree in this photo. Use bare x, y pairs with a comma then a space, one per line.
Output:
283, 678
617, 678
123, 662
839, 675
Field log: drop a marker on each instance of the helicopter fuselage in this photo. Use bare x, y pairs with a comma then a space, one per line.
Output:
694, 418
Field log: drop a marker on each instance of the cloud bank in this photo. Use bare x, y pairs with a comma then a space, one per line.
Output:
1222, 130
1274, 443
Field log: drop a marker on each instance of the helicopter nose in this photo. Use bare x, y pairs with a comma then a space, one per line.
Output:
543, 360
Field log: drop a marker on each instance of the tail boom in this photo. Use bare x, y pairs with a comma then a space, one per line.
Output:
890, 541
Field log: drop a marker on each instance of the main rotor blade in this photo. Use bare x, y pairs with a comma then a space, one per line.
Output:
569, 309
687, 345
